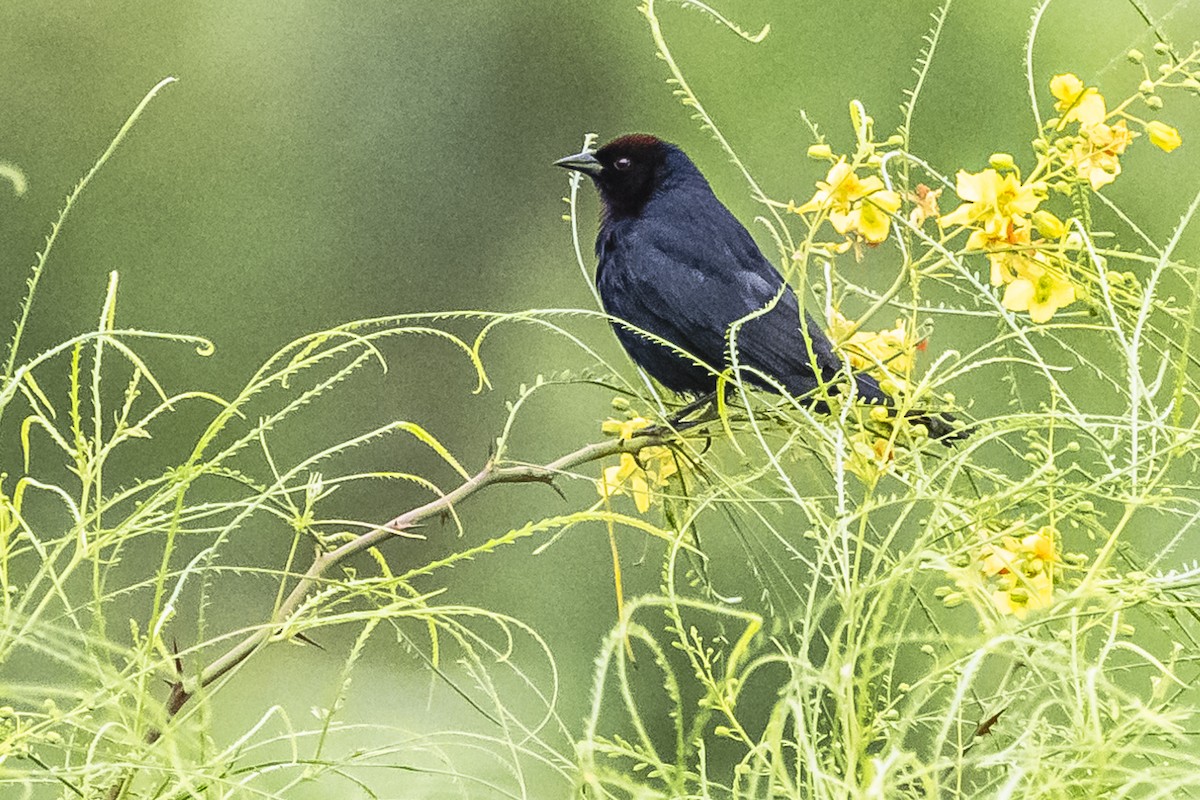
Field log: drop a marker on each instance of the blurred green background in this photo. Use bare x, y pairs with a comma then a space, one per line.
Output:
319, 162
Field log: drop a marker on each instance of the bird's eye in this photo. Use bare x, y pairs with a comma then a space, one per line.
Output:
623, 163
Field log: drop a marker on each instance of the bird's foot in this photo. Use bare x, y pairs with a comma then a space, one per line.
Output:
697, 412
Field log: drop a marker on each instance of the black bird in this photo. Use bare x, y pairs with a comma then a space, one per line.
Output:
674, 262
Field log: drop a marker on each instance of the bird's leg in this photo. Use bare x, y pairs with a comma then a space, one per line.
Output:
679, 420
692, 407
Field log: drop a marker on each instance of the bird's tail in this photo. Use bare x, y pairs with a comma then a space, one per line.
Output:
942, 427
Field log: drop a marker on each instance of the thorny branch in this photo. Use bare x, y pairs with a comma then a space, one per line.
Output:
492, 473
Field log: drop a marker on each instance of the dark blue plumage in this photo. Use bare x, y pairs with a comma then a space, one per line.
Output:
674, 262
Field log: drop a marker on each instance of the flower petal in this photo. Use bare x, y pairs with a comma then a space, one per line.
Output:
1018, 295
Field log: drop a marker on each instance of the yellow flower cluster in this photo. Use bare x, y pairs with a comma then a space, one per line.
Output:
637, 475
1013, 577
1000, 212
887, 355
869, 456
1094, 152
856, 207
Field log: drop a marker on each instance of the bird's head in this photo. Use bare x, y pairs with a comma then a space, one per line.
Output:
627, 171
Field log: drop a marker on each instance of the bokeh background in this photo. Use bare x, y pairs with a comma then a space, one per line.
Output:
319, 162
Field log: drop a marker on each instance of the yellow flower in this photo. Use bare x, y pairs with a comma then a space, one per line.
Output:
625, 429
874, 220
626, 476
855, 205
1163, 136
869, 457
887, 354
1094, 155
1014, 576
1041, 544
1033, 282
1005, 265
925, 205
1034, 592
1040, 290
639, 480
640, 475
996, 560
1082, 104
996, 205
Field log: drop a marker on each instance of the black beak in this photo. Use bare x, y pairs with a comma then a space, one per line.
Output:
583, 162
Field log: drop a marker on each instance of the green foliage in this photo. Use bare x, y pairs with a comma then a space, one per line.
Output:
878, 678
1013, 616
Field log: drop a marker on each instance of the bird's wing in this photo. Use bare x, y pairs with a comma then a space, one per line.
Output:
687, 276
774, 343
688, 287
656, 283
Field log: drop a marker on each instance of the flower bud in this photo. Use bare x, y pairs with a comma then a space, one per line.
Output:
1135, 56
953, 599
1146, 86
820, 151
1162, 48
1163, 136
1048, 225
879, 414
1001, 161
1154, 101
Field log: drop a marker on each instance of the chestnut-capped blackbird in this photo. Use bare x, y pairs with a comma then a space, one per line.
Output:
674, 262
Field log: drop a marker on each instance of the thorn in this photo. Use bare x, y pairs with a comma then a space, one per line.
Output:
548, 479
550, 482
307, 640
985, 727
